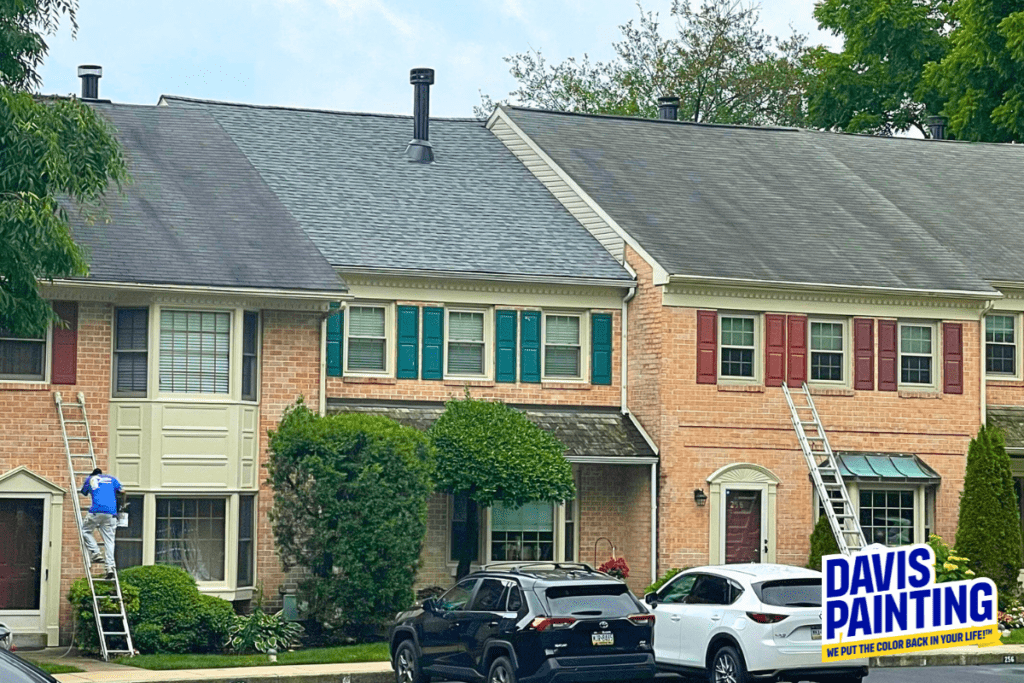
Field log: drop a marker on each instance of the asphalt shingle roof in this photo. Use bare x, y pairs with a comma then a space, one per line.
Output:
1011, 421
586, 432
346, 179
789, 205
195, 213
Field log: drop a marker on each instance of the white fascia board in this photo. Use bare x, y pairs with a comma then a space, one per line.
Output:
660, 275
818, 286
611, 460
293, 294
486, 277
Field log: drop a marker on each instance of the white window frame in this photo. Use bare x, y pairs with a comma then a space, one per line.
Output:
389, 339
557, 533
757, 362
150, 352
1016, 375
47, 342
935, 365
584, 344
156, 315
488, 342
846, 364
924, 501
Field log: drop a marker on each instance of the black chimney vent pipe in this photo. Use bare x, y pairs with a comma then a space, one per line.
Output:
668, 108
90, 75
937, 127
419, 149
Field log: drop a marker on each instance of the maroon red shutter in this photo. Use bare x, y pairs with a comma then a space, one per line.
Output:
952, 358
707, 347
64, 365
796, 329
774, 350
887, 355
863, 353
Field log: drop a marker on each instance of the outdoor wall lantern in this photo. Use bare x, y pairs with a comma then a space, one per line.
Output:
699, 497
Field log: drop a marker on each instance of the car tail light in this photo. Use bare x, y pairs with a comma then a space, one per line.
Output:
642, 618
764, 618
541, 623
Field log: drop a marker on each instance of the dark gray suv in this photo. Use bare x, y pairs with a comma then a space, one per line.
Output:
526, 623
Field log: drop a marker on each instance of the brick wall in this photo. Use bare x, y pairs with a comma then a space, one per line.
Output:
646, 334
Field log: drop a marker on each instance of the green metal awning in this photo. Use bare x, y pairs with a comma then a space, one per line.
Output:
897, 468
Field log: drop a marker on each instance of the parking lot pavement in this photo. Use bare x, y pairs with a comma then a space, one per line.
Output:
1010, 673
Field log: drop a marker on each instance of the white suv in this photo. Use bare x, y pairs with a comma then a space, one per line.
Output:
736, 623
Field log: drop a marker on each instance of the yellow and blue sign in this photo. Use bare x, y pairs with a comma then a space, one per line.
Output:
885, 601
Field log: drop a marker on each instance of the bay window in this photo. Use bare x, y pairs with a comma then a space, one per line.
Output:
190, 533
195, 352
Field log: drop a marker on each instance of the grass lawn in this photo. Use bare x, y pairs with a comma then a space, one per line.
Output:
1016, 637
52, 668
369, 652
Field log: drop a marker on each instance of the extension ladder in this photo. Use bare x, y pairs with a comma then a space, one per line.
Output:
824, 468
81, 462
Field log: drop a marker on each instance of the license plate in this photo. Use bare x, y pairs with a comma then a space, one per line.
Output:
815, 633
602, 638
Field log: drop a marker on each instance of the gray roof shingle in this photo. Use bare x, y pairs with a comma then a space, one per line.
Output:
195, 213
347, 181
1010, 420
789, 205
586, 432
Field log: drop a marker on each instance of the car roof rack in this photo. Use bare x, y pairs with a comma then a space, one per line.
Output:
518, 567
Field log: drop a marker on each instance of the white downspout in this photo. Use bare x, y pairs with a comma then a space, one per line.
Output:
981, 362
323, 365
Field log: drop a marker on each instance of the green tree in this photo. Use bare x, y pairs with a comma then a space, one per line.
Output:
823, 542
51, 150
988, 530
721, 65
874, 85
350, 505
490, 453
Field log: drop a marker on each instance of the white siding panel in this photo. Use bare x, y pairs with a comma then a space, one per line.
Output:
579, 209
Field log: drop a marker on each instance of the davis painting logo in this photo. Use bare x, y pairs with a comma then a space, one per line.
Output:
884, 601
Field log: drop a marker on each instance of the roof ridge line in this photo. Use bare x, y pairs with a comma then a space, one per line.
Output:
316, 110
639, 119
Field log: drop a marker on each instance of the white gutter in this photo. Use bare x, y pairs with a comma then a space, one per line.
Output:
323, 366
489, 277
622, 354
981, 338
783, 284
611, 460
301, 294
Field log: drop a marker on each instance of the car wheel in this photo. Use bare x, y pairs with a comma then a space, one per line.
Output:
727, 667
501, 671
407, 665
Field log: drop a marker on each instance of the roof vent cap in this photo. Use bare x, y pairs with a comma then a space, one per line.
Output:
90, 75
668, 108
937, 127
420, 150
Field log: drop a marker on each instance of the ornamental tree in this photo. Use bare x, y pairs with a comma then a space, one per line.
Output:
350, 505
988, 531
823, 542
490, 453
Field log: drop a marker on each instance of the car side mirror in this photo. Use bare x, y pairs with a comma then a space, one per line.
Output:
651, 599
430, 605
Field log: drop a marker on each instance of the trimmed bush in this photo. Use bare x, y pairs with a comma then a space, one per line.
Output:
823, 542
215, 619
988, 530
350, 506
81, 603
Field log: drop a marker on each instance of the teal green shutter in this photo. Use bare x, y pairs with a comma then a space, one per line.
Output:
335, 330
529, 346
408, 342
433, 343
600, 348
505, 343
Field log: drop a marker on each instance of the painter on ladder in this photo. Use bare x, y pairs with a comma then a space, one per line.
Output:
102, 515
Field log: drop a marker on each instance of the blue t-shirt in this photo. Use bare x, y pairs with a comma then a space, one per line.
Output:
102, 488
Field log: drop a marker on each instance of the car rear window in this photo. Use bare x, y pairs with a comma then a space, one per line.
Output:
791, 593
612, 600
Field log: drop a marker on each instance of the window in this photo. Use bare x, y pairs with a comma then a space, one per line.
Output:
367, 339
887, 517
525, 533
737, 344
569, 551
195, 352
915, 354
465, 525
250, 344
457, 596
128, 545
22, 358
827, 347
679, 590
603, 601
190, 535
515, 598
1000, 345
488, 596
562, 349
466, 344
246, 522
711, 590
131, 351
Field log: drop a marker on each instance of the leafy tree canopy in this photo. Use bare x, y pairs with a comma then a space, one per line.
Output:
721, 65
51, 150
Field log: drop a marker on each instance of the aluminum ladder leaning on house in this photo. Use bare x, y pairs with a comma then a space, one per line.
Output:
112, 627
824, 468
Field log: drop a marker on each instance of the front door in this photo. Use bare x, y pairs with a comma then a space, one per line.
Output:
745, 538
22, 559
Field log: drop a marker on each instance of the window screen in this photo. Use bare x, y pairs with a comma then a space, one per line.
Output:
562, 346
195, 352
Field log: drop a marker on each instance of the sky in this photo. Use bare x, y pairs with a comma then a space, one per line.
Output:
348, 55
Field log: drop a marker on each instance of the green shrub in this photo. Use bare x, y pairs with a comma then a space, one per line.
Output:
664, 579
949, 567
259, 632
988, 530
823, 542
350, 504
81, 603
215, 619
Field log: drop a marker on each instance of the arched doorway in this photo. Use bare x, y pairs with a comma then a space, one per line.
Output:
743, 501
